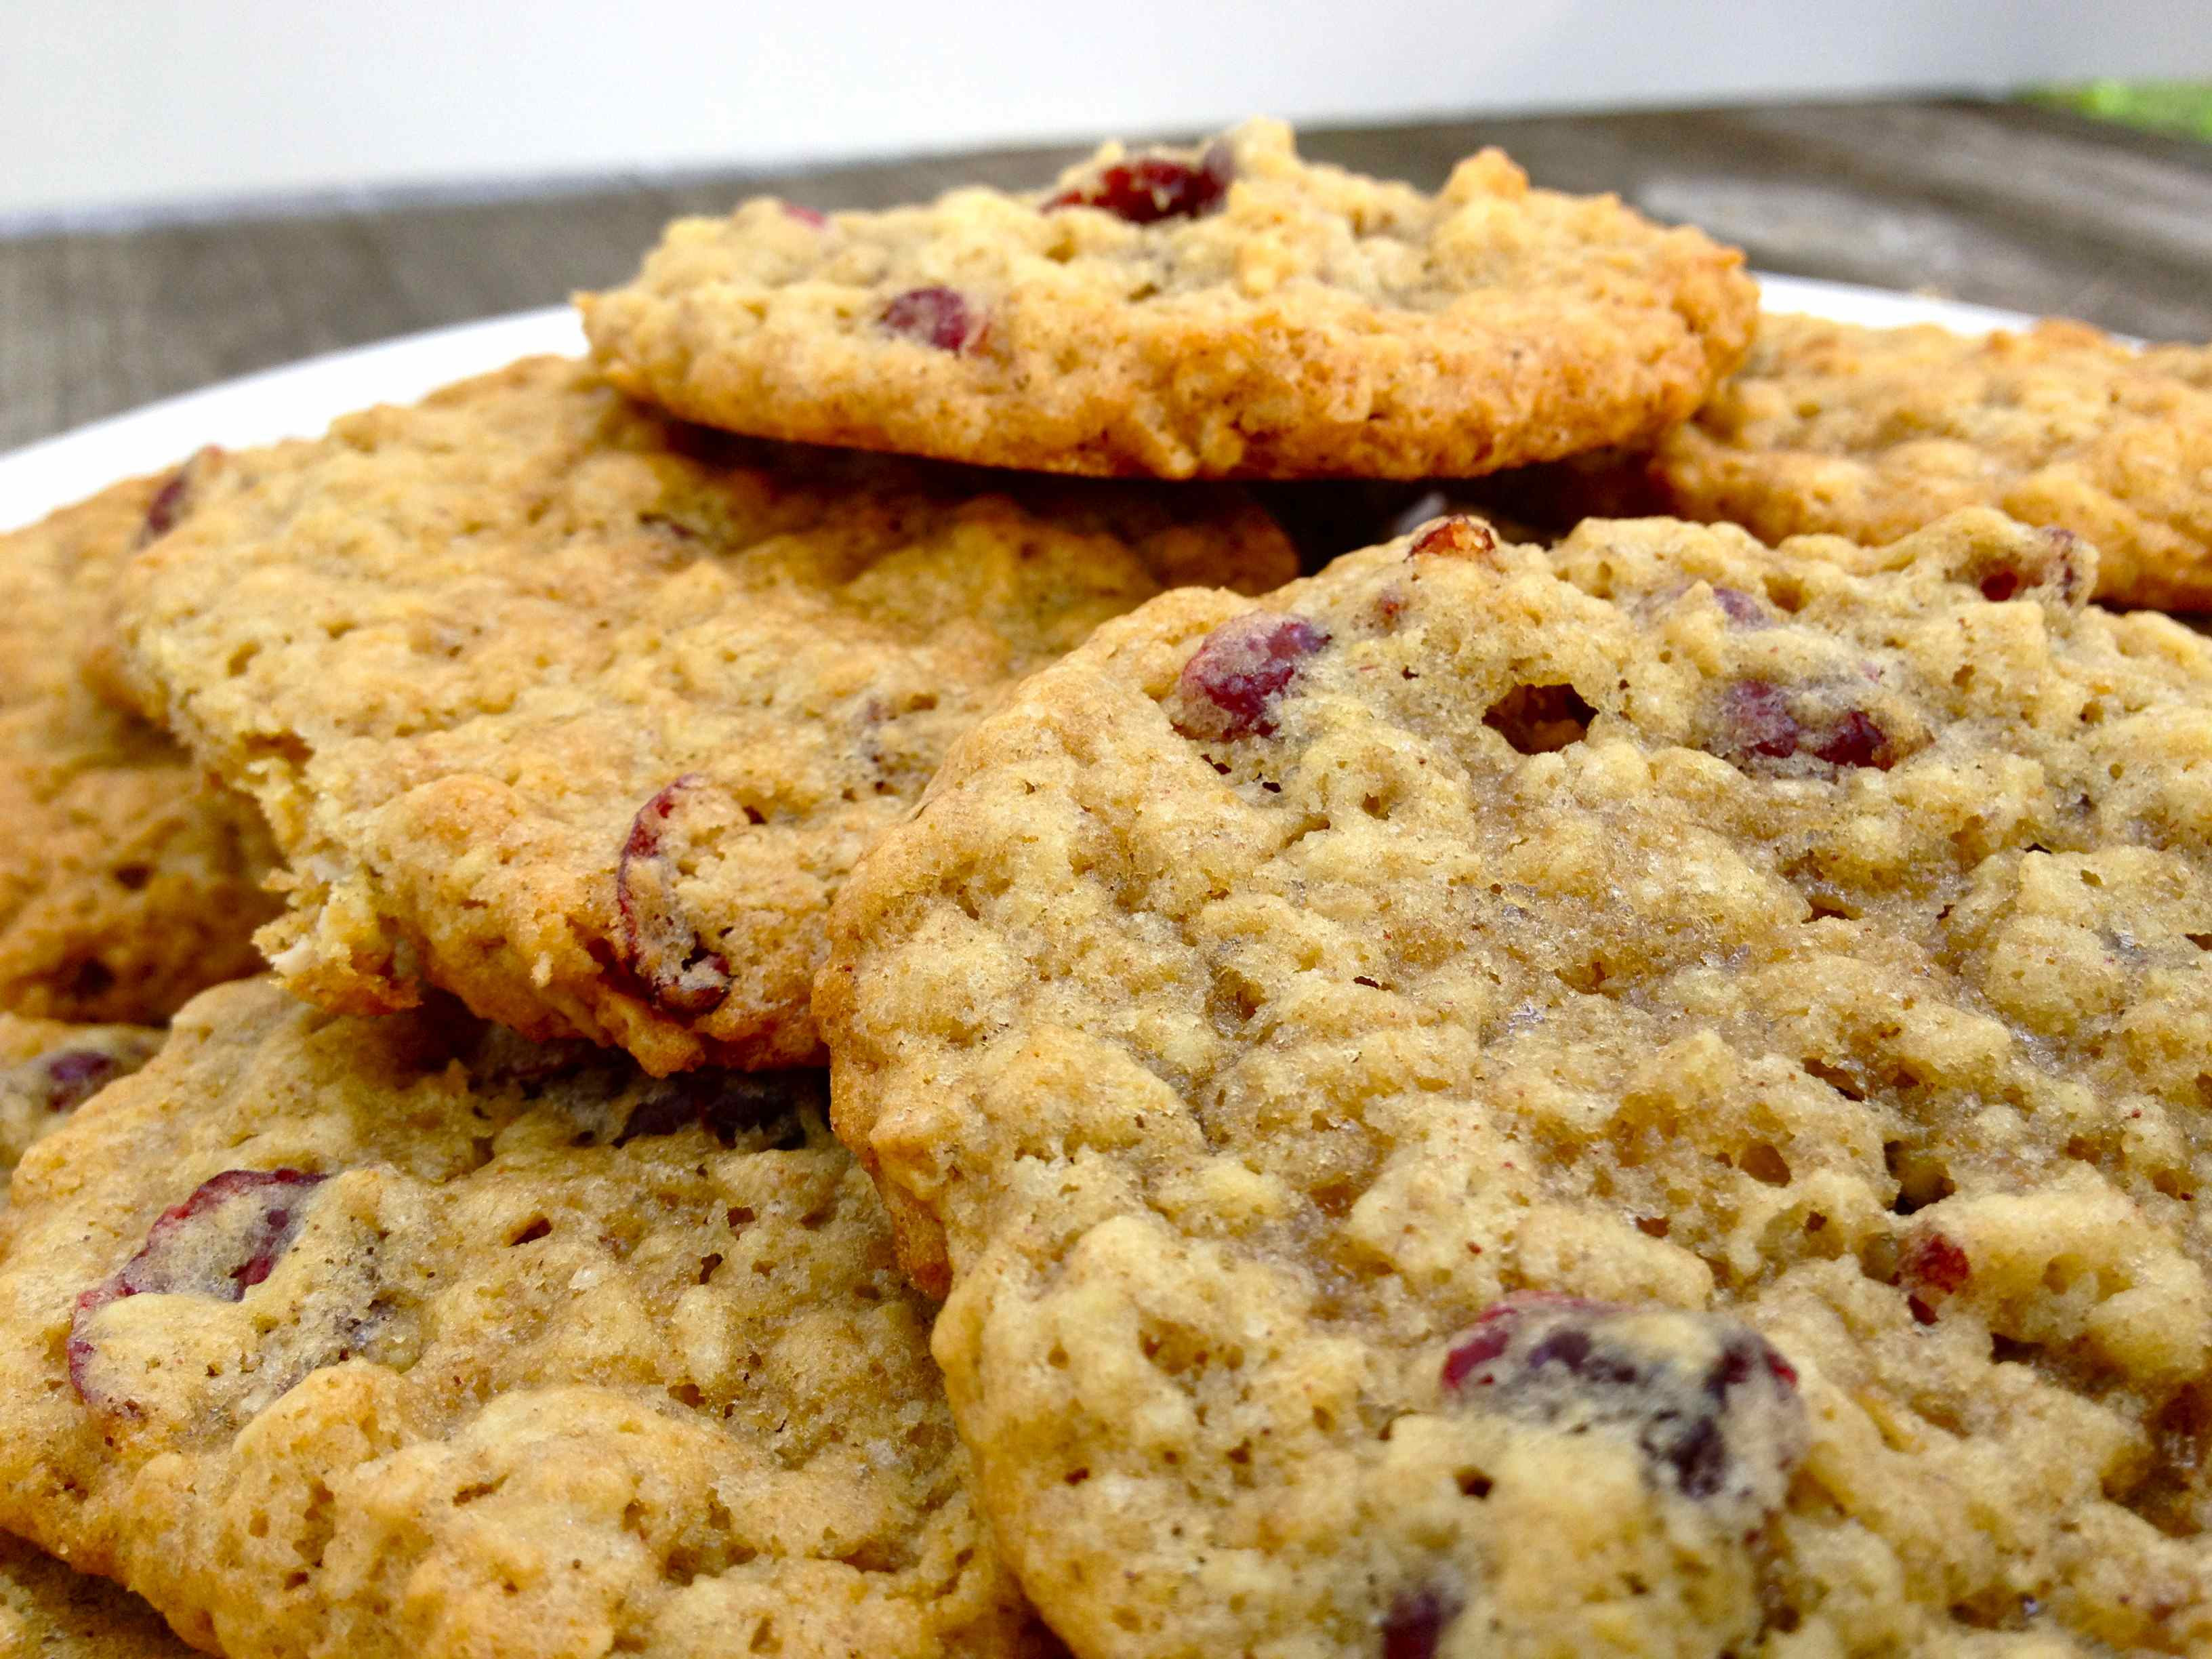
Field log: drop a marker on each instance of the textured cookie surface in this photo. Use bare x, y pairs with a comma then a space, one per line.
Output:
126, 882
47, 1612
403, 1336
1228, 312
1649, 1097
49, 1067
1872, 432
583, 715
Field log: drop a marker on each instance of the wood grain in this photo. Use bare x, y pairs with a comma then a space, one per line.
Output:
2000, 204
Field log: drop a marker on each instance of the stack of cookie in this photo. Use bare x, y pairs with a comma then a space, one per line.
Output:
1619, 1090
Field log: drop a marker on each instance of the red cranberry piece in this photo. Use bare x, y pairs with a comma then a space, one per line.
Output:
1458, 536
940, 317
75, 1075
168, 505
660, 944
1761, 725
1711, 1406
2000, 585
1935, 1266
1741, 607
1495, 1327
1856, 740
1417, 1621
1761, 720
222, 1241
1229, 684
806, 216
1149, 188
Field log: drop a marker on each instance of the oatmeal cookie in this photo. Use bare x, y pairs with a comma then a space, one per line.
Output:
583, 715
1646, 1096
127, 883
1872, 432
1225, 312
47, 1612
405, 1336
49, 1067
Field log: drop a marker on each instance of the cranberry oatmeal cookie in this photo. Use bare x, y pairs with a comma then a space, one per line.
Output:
49, 1067
404, 1336
582, 715
1644, 1097
1227, 311
127, 883
1872, 432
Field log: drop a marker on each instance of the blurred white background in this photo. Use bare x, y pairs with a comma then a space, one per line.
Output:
129, 104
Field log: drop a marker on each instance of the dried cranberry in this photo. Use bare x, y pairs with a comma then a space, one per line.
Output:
1709, 1403
1458, 535
222, 1241
1760, 720
660, 944
168, 505
1417, 1621
1496, 1326
1741, 607
1149, 188
806, 216
74, 1075
940, 317
1229, 684
2000, 585
1938, 1264
1760, 724
1856, 740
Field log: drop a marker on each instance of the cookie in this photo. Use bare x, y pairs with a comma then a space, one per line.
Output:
405, 1336
582, 715
1872, 432
1648, 1096
49, 1067
47, 1612
127, 884
1224, 311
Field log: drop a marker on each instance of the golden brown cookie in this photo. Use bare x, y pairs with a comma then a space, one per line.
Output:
1646, 1096
583, 715
49, 1067
1872, 432
126, 882
404, 1336
1225, 312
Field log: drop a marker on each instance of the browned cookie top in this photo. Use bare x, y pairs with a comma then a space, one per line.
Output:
583, 715
1647, 1096
404, 1336
1872, 432
1226, 310
126, 882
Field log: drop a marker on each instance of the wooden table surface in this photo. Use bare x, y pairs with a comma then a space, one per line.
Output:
1996, 203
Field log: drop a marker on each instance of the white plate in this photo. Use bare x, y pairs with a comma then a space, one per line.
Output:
301, 399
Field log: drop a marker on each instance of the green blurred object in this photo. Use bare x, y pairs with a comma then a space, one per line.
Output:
2181, 108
